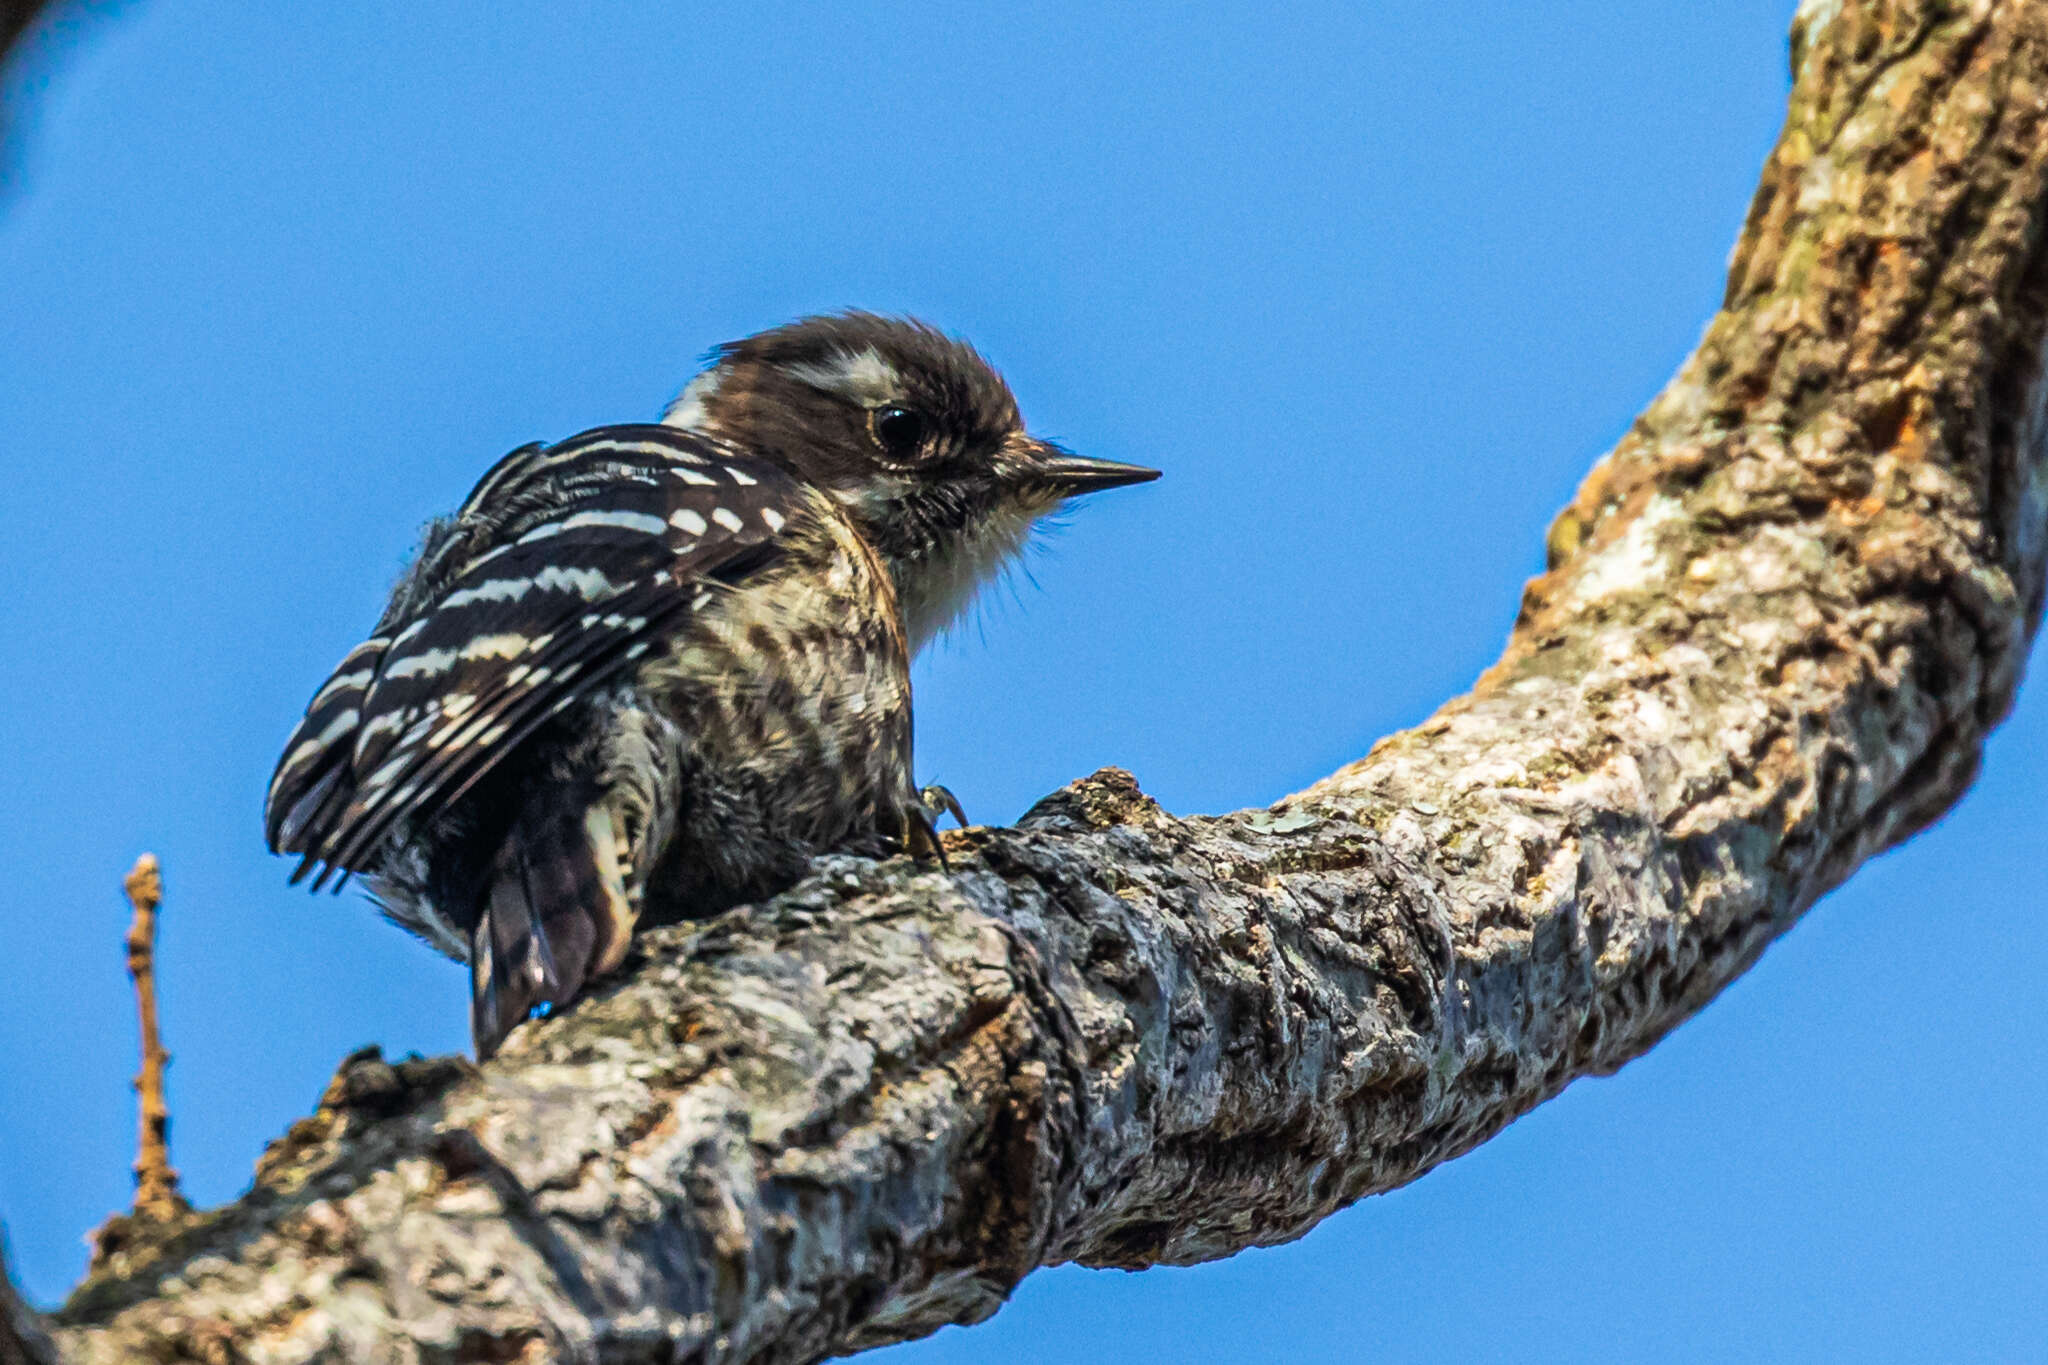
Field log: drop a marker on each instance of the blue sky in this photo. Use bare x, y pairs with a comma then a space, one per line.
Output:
1374, 284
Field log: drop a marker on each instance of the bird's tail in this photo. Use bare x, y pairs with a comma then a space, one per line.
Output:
556, 914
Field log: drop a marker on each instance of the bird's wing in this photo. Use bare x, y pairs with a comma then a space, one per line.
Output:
625, 531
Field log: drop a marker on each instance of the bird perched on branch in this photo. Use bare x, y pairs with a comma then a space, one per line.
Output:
651, 671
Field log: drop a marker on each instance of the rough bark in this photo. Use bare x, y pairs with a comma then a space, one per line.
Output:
1779, 621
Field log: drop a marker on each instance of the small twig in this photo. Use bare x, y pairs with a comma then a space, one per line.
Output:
156, 1185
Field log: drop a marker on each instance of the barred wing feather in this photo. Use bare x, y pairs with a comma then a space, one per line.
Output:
618, 536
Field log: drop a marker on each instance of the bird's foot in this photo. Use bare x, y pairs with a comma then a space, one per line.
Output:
940, 801
920, 838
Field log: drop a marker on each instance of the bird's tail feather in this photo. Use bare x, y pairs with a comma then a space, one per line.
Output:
556, 915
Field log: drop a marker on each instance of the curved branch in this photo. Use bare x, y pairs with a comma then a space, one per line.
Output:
1780, 619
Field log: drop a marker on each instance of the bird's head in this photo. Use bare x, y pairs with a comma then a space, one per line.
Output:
911, 432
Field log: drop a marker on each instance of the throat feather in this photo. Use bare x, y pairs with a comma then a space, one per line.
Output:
937, 589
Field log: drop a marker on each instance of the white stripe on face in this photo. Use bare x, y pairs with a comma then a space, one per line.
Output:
860, 377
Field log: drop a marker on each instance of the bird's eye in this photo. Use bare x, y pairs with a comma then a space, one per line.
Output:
898, 431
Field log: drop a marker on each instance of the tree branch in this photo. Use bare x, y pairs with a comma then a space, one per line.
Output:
156, 1184
1780, 619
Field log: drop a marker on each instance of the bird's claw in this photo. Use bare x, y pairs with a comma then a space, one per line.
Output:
940, 801
921, 823
921, 835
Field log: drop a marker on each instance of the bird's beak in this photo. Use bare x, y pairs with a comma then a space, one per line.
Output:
1071, 475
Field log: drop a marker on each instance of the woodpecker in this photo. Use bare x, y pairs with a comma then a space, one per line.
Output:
650, 672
